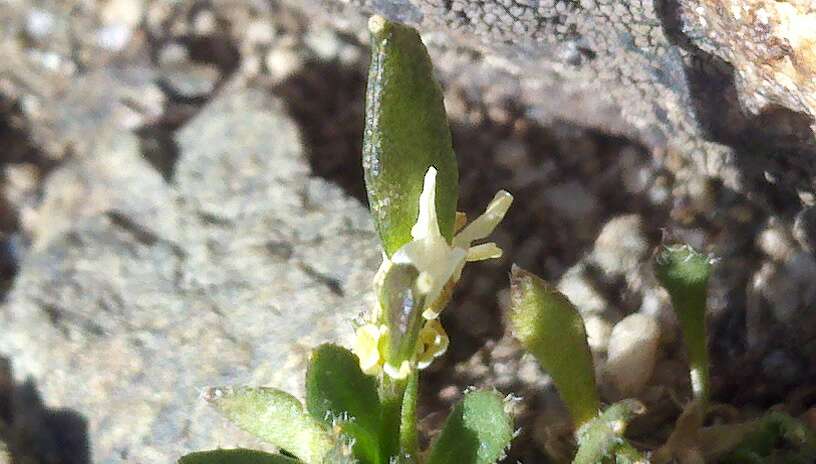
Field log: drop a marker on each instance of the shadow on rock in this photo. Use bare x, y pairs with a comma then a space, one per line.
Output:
774, 148
35, 433
327, 100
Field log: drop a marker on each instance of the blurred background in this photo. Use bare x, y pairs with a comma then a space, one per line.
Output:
181, 204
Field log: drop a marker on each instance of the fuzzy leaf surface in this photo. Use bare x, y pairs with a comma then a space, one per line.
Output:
550, 327
275, 417
338, 392
477, 431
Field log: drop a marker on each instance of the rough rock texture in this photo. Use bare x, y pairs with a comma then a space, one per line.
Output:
727, 85
230, 273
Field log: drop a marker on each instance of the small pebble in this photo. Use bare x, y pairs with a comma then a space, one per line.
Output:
632, 353
125, 12
621, 246
39, 24
114, 37
598, 332
325, 44
572, 200
282, 63
804, 228
580, 291
775, 242
205, 23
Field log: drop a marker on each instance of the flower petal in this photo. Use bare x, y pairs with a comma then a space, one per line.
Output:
483, 225
484, 251
367, 348
434, 342
400, 373
426, 224
435, 260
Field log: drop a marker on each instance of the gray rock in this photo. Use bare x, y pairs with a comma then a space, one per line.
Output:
228, 275
733, 99
112, 177
183, 77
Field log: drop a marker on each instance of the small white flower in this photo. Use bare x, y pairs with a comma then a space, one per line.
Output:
437, 261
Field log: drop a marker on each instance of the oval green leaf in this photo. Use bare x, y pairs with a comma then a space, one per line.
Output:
275, 417
406, 132
339, 393
477, 431
548, 326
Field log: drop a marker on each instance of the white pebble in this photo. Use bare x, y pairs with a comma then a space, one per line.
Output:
39, 23
580, 291
632, 353
123, 12
598, 332
282, 63
621, 246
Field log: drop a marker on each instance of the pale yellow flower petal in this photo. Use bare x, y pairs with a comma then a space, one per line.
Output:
367, 343
433, 342
484, 251
427, 224
483, 225
400, 373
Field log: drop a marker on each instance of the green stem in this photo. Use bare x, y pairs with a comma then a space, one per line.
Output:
684, 273
691, 313
408, 430
391, 399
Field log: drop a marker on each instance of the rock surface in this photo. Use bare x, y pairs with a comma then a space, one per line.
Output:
228, 274
729, 88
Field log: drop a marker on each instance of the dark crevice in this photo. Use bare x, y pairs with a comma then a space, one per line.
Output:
326, 100
157, 138
777, 143
775, 153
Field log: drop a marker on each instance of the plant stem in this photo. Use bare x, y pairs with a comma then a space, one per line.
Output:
408, 430
691, 313
391, 399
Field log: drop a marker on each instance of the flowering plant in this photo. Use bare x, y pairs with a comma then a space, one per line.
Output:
361, 405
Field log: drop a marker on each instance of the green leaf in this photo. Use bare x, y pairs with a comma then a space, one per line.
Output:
337, 391
684, 273
273, 416
406, 132
235, 456
601, 438
549, 326
476, 432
